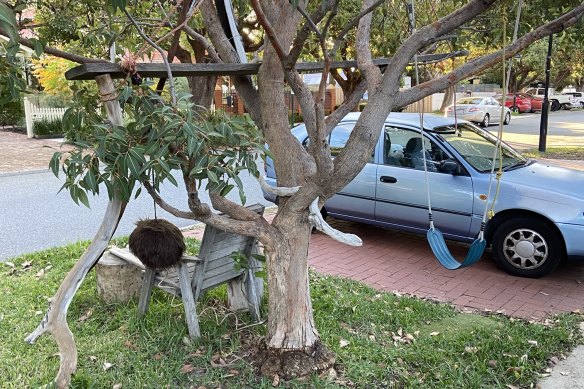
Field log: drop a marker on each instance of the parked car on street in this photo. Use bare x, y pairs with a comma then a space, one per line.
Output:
521, 102
539, 210
557, 101
482, 110
577, 99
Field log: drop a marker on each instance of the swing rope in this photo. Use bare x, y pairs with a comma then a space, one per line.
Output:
434, 235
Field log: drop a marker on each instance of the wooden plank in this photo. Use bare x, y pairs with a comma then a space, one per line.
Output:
188, 301
216, 280
89, 71
204, 250
146, 291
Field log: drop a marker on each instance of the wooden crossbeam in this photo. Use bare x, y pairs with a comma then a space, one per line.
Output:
89, 71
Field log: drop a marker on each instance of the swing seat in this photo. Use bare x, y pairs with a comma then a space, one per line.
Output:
440, 250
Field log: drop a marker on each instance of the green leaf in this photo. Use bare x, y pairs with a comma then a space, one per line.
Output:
138, 192
55, 162
91, 181
212, 176
133, 165
7, 15
83, 197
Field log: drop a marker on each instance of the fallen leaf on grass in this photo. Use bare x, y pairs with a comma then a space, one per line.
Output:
86, 316
92, 358
532, 342
157, 356
186, 368
434, 333
117, 386
26, 265
471, 350
233, 371
107, 366
343, 343
492, 363
276, 381
130, 345
9, 264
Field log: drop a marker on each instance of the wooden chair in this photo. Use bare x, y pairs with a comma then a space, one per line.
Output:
212, 267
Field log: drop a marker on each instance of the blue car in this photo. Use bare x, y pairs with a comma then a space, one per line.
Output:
538, 211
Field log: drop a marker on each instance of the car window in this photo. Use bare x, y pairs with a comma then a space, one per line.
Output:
339, 138
469, 100
477, 147
404, 148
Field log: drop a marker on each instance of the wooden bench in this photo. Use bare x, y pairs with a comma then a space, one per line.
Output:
213, 266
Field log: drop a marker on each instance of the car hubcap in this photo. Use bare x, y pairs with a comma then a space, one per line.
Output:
525, 249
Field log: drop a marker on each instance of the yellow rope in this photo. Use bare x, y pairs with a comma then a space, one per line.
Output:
499, 174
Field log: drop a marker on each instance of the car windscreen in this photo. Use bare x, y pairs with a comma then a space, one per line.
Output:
477, 147
469, 100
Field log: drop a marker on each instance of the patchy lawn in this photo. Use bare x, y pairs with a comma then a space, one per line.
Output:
381, 340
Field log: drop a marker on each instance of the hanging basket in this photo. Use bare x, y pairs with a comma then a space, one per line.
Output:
157, 243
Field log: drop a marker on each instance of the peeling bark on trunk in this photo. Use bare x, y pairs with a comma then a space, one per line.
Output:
290, 324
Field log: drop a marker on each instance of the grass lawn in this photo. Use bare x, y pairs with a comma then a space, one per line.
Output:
573, 153
381, 340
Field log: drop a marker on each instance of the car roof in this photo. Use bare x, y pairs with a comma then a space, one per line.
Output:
411, 118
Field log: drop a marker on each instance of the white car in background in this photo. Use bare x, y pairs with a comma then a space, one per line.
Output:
577, 100
482, 110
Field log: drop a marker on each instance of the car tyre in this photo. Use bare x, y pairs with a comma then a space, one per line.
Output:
555, 105
527, 247
507, 118
486, 121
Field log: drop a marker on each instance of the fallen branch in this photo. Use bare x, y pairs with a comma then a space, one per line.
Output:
55, 320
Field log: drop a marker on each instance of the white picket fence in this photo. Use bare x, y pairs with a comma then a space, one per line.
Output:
34, 113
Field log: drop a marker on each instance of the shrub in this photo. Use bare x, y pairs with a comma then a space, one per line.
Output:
11, 113
48, 127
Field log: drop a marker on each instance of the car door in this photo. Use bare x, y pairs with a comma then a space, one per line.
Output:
356, 201
493, 108
402, 200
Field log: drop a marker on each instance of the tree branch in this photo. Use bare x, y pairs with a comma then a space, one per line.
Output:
477, 65
352, 24
265, 23
58, 53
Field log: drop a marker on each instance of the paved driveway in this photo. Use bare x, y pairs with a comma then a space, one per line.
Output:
400, 262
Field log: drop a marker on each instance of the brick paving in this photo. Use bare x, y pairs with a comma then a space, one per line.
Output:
19, 154
393, 261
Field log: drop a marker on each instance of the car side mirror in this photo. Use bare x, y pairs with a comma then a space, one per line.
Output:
450, 166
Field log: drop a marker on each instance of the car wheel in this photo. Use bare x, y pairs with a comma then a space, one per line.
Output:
555, 105
485, 122
507, 118
527, 247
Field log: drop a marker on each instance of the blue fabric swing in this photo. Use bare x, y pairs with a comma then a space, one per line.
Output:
434, 235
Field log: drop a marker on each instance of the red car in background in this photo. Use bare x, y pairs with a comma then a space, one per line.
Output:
521, 102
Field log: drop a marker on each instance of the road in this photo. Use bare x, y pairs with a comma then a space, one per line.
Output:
565, 128
35, 217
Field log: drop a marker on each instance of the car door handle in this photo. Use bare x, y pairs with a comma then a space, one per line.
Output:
388, 179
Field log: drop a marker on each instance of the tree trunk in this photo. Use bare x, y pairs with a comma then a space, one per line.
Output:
293, 348
448, 98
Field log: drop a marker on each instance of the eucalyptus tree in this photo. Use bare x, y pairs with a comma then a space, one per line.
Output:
165, 132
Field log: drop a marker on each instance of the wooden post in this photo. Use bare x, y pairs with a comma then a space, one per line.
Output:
28, 117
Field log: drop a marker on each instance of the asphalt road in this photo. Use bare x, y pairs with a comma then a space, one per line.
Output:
565, 128
33, 216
